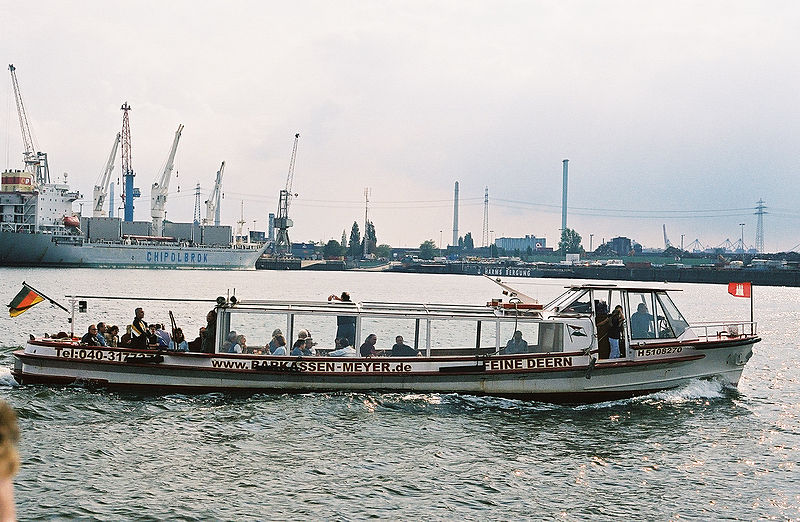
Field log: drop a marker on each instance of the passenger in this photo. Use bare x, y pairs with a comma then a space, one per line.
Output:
240, 346
344, 348
642, 323
273, 343
280, 345
112, 336
345, 324
197, 344
602, 323
152, 336
125, 340
229, 342
305, 335
90, 337
164, 338
368, 348
139, 330
101, 334
401, 350
178, 342
516, 344
615, 331
209, 335
299, 348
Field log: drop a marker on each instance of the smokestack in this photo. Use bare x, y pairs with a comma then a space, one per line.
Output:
564, 199
455, 216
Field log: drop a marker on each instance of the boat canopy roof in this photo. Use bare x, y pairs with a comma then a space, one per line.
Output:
375, 309
627, 287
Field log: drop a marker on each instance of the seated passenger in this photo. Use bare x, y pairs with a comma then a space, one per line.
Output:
368, 348
516, 344
299, 348
150, 334
641, 323
229, 341
126, 339
343, 348
240, 346
112, 336
163, 336
101, 334
280, 345
402, 350
273, 343
90, 337
178, 342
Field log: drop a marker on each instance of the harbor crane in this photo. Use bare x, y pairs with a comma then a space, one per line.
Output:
35, 161
160, 189
213, 202
101, 188
282, 245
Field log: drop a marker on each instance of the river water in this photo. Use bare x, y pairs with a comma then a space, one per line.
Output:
699, 452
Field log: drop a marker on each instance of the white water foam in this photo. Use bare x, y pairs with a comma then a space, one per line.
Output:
6, 379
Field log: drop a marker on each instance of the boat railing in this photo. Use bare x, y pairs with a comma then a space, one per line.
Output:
718, 330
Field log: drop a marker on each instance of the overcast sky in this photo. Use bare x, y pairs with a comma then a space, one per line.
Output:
676, 113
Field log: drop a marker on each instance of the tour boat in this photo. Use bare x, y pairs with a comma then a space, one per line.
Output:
562, 354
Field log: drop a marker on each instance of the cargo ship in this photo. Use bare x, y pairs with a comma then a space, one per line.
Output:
39, 228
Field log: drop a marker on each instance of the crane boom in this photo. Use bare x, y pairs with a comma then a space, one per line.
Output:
212, 204
101, 188
283, 244
35, 162
160, 189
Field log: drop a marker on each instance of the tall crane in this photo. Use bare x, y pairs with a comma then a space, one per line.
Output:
128, 191
160, 189
213, 202
101, 188
282, 222
35, 161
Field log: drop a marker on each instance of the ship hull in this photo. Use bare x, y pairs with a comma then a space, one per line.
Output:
46, 250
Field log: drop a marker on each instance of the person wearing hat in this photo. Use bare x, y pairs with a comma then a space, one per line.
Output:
274, 342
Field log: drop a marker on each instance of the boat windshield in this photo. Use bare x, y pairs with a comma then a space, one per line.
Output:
672, 315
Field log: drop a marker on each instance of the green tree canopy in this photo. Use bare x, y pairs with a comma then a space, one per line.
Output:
332, 249
355, 242
469, 244
426, 249
570, 242
383, 250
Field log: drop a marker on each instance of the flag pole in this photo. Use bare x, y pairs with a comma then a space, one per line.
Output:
752, 324
41, 294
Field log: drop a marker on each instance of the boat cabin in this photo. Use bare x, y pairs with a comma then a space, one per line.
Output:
576, 321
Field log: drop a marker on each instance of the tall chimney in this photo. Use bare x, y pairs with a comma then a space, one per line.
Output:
455, 217
564, 200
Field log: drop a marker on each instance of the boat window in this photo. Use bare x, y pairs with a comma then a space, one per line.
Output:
534, 337
673, 316
663, 328
581, 303
322, 329
458, 337
387, 329
641, 321
256, 327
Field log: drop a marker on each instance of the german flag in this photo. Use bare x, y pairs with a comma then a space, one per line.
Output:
26, 298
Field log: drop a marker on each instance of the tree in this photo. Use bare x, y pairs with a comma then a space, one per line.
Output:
468, 243
426, 249
570, 242
383, 251
370, 238
344, 240
355, 242
461, 242
332, 249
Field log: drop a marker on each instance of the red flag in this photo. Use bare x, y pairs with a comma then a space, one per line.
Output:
739, 289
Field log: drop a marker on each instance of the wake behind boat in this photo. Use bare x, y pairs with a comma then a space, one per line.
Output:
563, 352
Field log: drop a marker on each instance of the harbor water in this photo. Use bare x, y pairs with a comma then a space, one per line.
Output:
699, 452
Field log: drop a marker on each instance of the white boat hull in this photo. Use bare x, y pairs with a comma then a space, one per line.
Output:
554, 377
